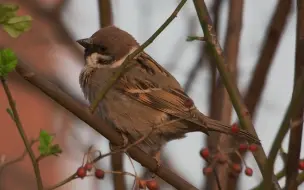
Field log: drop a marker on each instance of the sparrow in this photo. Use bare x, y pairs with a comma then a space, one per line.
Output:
146, 101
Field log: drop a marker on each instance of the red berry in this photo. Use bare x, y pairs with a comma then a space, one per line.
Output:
243, 147
235, 128
205, 153
99, 173
207, 170
237, 168
188, 103
152, 184
81, 172
142, 184
253, 147
248, 171
301, 165
88, 166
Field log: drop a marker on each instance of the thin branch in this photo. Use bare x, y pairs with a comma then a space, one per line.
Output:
231, 48
127, 61
26, 142
117, 160
256, 86
203, 50
295, 105
105, 13
275, 30
300, 178
239, 106
18, 159
295, 138
100, 126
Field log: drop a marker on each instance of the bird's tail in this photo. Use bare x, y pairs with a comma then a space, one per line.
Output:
214, 125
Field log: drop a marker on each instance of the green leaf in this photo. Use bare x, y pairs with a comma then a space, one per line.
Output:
46, 147
15, 26
7, 11
10, 112
19, 19
8, 61
45, 141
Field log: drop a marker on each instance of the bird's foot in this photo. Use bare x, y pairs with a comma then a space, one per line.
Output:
121, 147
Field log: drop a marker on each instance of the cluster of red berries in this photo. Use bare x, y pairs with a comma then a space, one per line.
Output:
222, 159
150, 184
82, 171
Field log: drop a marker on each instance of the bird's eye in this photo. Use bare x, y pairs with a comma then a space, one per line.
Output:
102, 48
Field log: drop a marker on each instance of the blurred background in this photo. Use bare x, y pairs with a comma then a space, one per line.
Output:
261, 52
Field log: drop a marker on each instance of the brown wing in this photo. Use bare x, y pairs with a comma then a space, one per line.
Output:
153, 86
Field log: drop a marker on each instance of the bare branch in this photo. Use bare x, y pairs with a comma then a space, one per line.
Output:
295, 138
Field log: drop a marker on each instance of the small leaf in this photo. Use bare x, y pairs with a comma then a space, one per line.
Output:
19, 19
55, 149
45, 141
9, 7
17, 25
10, 112
7, 11
8, 61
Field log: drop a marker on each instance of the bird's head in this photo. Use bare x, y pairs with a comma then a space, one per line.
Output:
107, 48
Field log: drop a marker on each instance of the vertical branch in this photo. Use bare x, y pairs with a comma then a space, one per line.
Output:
236, 99
105, 13
273, 36
231, 48
106, 19
214, 106
257, 84
295, 138
26, 142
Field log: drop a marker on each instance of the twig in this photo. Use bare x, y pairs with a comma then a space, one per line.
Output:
300, 178
279, 176
240, 108
20, 158
295, 138
26, 142
296, 103
193, 38
126, 62
100, 126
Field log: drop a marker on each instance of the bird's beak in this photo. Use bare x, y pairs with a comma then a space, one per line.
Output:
86, 42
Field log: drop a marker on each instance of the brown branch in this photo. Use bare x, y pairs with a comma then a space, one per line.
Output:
260, 73
105, 13
215, 103
231, 48
203, 49
295, 138
236, 99
271, 42
16, 160
100, 126
16, 118
117, 164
